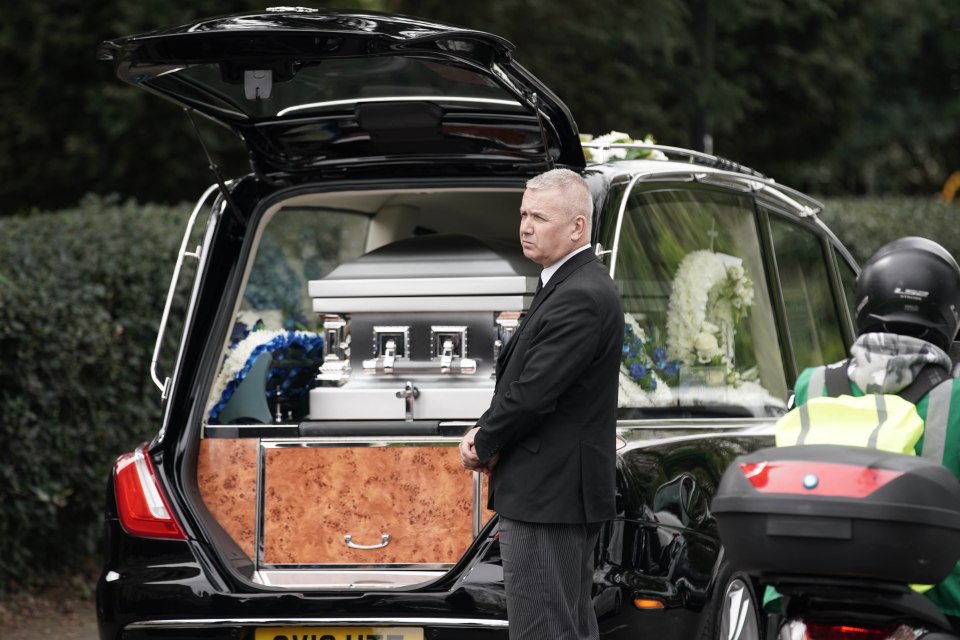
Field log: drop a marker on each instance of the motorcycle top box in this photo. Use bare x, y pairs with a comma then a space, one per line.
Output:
828, 510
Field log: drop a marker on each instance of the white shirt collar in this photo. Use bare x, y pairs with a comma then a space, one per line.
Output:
548, 272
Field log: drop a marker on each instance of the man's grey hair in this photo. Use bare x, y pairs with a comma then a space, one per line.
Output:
576, 193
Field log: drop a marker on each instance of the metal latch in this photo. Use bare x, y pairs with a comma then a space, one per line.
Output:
409, 394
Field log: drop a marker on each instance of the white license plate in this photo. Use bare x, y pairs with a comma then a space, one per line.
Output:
339, 633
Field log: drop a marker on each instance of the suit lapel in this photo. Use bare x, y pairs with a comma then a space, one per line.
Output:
584, 257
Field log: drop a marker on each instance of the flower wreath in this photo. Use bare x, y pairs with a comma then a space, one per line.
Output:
645, 372
621, 153
711, 292
297, 355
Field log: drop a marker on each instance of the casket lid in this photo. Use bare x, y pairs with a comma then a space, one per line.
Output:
437, 272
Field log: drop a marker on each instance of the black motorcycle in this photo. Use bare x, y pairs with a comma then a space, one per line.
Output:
843, 535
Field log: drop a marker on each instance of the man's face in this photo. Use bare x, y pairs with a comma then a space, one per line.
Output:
545, 233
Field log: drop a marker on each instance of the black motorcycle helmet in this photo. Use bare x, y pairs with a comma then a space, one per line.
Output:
910, 286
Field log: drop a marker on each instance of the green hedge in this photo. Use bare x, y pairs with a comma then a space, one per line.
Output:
81, 295
866, 224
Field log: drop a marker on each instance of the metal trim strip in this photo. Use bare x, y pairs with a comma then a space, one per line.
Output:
404, 304
182, 623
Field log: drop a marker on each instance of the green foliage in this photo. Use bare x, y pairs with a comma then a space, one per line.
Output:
825, 95
81, 295
866, 224
68, 122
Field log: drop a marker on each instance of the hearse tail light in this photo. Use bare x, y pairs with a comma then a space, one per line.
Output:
143, 509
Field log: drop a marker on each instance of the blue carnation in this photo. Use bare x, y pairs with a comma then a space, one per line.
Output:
240, 331
637, 370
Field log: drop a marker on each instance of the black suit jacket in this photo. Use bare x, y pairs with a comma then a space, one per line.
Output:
553, 414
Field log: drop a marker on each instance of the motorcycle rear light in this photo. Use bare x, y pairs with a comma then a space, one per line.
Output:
141, 505
816, 478
820, 631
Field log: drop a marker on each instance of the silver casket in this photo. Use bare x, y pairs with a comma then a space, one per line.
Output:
412, 329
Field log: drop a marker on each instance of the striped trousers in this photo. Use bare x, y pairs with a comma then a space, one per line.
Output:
548, 578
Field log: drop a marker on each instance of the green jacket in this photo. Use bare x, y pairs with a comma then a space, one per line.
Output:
887, 363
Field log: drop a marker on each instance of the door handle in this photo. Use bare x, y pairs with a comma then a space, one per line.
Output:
384, 541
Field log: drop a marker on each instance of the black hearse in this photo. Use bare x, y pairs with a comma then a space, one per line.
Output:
351, 295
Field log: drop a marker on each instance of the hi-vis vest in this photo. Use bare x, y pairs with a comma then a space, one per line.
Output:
879, 421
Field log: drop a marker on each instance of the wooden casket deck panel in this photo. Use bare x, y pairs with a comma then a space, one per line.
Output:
419, 496
315, 496
227, 477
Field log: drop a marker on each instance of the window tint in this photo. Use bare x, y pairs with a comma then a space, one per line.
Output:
700, 328
812, 317
332, 84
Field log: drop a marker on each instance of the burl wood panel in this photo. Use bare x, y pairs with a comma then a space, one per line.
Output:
419, 495
227, 476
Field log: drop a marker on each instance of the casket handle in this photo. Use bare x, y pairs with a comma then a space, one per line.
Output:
384, 541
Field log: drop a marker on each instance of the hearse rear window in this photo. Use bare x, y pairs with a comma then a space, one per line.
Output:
286, 341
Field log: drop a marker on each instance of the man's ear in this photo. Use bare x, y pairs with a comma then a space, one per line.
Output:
579, 226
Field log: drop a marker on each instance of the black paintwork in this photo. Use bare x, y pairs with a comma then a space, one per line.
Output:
663, 544
286, 42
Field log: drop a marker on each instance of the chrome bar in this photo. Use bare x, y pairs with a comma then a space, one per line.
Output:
173, 286
303, 621
477, 503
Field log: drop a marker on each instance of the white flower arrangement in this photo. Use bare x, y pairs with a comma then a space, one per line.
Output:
620, 153
710, 293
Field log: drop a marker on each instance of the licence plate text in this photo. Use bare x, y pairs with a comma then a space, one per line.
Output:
339, 633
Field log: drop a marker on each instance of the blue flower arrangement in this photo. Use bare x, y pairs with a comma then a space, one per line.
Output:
293, 322
646, 363
297, 356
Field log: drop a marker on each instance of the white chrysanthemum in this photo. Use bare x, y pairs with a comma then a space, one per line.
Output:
619, 137
706, 346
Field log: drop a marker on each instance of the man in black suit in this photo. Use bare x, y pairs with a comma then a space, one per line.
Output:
548, 439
